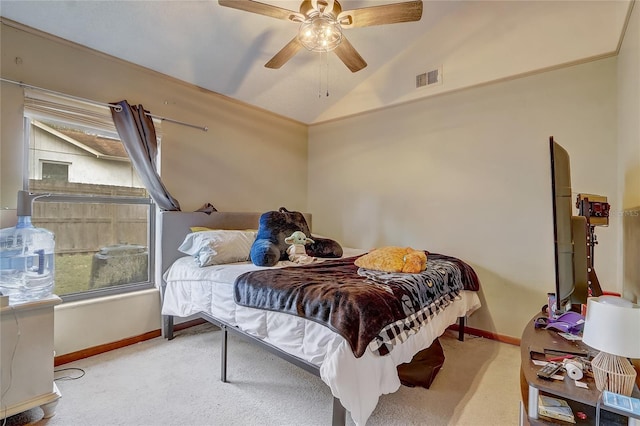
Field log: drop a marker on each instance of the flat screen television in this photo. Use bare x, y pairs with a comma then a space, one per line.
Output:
570, 237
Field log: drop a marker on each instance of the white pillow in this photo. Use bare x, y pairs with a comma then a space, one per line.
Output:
218, 246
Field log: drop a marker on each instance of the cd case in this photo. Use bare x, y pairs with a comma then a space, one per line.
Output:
621, 402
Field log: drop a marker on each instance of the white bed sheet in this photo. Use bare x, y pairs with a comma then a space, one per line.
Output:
357, 382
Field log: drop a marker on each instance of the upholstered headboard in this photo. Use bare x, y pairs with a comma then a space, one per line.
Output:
174, 226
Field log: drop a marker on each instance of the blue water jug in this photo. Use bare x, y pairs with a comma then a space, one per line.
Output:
27, 268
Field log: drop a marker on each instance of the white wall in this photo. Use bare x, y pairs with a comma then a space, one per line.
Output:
464, 173
629, 152
249, 160
496, 40
468, 174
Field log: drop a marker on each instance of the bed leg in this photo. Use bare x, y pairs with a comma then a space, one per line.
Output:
339, 413
167, 327
461, 329
223, 355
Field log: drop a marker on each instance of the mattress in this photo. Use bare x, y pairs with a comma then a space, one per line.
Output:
357, 382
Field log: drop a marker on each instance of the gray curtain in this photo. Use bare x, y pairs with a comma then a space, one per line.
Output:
138, 135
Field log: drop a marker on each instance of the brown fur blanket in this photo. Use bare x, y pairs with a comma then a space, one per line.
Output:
357, 306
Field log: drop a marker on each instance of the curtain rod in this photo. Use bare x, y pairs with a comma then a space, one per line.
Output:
118, 108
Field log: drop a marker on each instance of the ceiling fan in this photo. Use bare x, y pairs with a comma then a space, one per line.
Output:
321, 24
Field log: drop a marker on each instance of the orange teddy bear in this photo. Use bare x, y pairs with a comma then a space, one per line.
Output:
394, 259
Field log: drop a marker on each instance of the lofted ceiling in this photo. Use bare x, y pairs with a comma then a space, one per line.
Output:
224, 50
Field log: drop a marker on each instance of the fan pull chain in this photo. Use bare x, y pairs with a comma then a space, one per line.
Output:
320, 76
325, 56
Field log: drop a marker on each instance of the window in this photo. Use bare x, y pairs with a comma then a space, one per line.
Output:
55, 171
98, 209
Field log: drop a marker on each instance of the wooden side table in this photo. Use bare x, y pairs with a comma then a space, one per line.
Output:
27, 357
580, 400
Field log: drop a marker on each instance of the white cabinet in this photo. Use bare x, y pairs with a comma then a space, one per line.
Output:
26, 357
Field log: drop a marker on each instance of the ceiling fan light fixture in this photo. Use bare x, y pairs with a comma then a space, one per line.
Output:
322, 22
320, 33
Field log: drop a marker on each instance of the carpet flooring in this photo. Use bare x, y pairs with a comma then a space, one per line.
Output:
160, 382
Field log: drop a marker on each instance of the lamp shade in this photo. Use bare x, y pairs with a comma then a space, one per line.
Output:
613, 326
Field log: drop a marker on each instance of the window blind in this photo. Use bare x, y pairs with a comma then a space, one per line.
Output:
42, 105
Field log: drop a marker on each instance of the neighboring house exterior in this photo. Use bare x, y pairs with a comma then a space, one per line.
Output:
57, 152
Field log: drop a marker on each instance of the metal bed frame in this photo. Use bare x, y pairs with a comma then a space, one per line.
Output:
173, 227
339, 414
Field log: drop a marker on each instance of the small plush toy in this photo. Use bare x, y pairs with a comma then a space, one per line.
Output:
296, 251
394, 259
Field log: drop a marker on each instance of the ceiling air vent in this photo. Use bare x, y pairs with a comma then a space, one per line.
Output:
429, 78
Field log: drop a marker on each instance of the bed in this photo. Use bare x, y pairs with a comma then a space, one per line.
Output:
356, 382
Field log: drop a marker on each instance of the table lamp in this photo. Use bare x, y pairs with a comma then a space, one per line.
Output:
612, 326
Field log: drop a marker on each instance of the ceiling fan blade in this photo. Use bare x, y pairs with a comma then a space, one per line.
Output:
284, 54
259, 8
381, 15
349, 55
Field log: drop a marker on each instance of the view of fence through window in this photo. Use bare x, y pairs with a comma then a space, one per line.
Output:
98, 210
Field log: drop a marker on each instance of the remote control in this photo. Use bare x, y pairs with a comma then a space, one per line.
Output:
549, 370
